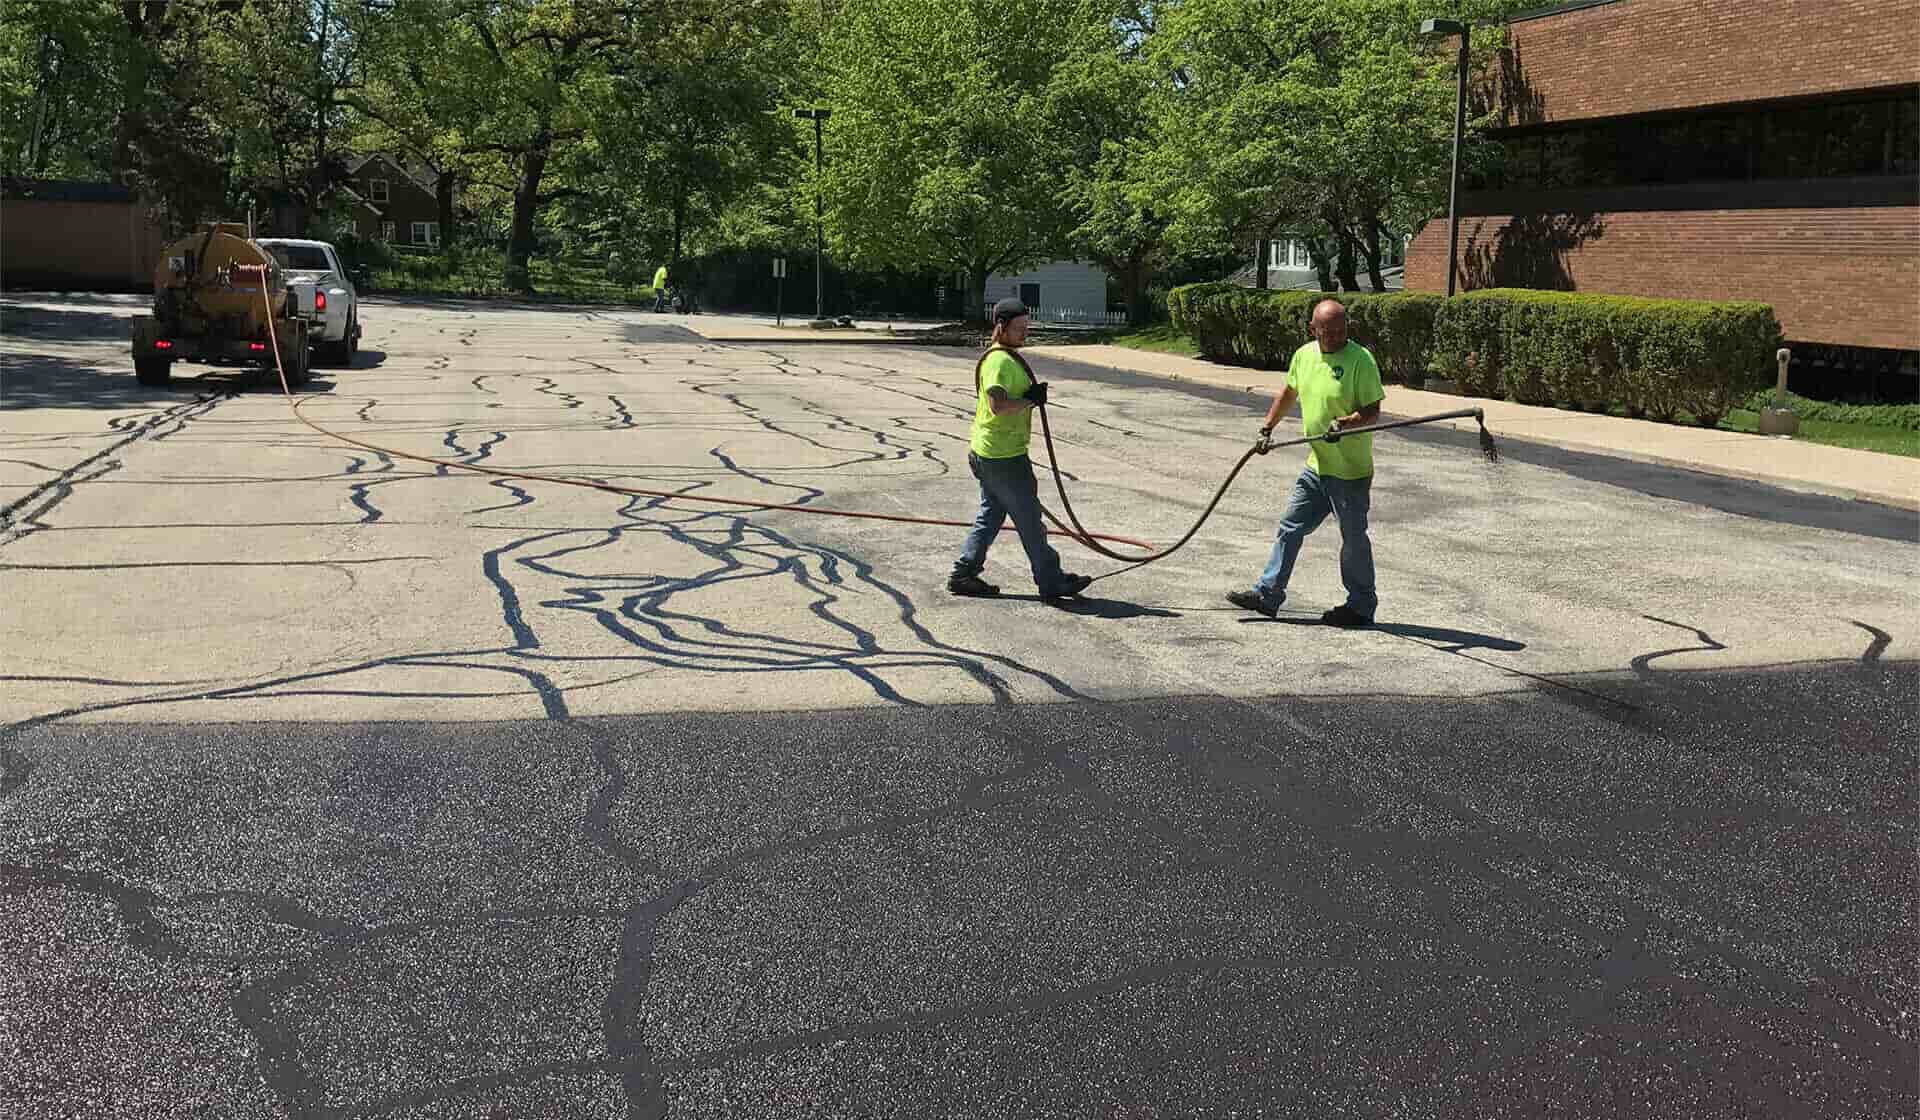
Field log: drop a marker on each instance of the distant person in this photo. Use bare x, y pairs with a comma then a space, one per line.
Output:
1005, 395
660, 289
1338, 386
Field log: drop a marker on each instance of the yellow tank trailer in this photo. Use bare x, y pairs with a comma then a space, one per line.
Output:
207, 308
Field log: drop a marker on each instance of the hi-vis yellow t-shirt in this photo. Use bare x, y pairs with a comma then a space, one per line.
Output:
1001, 437
1331, 386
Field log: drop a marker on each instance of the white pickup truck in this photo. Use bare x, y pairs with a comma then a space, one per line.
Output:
325, 296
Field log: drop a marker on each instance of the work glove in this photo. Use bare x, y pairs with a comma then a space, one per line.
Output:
1265, 443
1333, 432
1037, 393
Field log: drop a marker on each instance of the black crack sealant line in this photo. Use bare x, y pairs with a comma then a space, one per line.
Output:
1075, 531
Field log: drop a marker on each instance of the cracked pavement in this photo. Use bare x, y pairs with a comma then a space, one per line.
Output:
337, 784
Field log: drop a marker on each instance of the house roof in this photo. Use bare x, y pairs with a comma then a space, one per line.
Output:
424, 184
351, 193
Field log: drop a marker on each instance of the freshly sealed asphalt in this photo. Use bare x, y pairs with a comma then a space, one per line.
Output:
331, 787
1657, 894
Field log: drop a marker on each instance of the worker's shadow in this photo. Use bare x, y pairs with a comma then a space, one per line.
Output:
1097, 608
1452, 641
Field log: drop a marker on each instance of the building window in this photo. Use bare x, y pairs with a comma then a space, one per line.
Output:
1834, 139
386, 231
376, 190
426, 233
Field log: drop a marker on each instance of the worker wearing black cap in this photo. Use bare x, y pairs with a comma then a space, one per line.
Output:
1005, 395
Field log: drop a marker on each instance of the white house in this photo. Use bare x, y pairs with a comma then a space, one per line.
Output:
1058, 292
1289, 265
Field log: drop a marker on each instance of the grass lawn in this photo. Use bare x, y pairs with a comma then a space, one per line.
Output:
482, 273
1161, 338
1865, 437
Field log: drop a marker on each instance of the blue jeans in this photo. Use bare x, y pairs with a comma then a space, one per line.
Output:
1313, 498
1009, 489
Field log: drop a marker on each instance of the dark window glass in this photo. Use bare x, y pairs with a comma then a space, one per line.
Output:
1522, 170
1857, 139
1790, 142
1641, 149
1563, 164
1906, 137
1721, 147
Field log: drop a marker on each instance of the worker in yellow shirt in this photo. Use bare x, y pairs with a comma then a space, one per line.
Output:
1005, 395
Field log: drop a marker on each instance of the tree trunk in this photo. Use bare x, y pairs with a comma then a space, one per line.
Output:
1347, 266
443, 200
526, 200
1133, 281
679, 224
976, 309
1322, 266
1260, 262
1371, 247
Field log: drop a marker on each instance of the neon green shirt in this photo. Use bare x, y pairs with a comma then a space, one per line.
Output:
660, 277
1001, 437
1332, 386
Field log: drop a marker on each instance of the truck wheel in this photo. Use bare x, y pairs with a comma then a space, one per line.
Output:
295, 354
153, 371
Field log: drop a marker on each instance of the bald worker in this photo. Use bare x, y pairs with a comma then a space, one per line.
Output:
1338, 386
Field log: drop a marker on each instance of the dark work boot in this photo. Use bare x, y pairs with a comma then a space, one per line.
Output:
1070, 585
1346, 616
972, 586
1252, 600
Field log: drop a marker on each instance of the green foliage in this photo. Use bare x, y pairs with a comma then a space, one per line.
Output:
945, 148
1247, 326
1905, 417
1658, 358
1331, 122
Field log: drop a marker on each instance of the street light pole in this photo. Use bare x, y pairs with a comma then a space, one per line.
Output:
1454, 27
818, 117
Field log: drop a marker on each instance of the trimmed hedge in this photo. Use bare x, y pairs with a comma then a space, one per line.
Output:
1250, 327
1656, 357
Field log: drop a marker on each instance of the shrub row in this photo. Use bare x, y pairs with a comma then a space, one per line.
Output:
1655, 357
1249, 327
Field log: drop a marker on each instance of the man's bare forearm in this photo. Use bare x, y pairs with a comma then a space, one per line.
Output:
1281, 405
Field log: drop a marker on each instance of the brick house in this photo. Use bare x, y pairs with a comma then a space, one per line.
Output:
1710, 149
392, 203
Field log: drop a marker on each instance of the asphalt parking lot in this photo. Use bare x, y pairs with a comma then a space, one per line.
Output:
337, 784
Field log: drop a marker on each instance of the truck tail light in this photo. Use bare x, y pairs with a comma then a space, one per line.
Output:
256, 346
163, 344
319, 300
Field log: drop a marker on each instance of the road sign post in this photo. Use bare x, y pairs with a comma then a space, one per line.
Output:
780, 291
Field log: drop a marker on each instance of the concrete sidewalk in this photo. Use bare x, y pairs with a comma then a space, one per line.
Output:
1787, 463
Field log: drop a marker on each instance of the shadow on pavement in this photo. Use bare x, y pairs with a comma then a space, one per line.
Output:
1096, 608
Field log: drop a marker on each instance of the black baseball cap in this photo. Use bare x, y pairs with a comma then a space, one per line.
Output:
1009, 309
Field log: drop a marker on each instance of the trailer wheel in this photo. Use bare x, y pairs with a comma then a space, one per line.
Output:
153, 371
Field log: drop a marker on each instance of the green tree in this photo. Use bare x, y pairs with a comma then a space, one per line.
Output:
943, 150
1331, 122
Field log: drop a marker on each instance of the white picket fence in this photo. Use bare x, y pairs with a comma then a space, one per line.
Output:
1078, 316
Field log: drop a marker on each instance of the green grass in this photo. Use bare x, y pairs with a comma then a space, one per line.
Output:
481, 273
1160, 338
1864, 437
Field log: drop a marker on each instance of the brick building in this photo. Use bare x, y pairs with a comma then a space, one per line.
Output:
1711, 149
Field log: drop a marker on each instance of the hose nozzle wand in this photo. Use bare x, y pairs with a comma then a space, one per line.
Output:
1487, 446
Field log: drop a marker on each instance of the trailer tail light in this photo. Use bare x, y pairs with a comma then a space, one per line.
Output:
163, 344
319, 300
256, 346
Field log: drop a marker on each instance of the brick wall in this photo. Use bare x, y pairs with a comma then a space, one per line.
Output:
1848, 276
1638, 56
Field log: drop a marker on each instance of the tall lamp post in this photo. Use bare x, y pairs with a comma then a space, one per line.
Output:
819, 118
1453, 27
